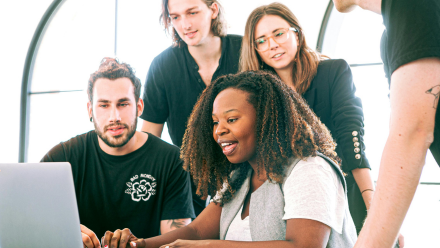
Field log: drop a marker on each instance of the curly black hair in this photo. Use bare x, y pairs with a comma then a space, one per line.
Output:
285, 128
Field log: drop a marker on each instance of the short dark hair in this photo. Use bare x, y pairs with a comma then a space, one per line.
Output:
111, 68
218, 25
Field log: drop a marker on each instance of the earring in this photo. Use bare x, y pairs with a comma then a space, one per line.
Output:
91, 119
261, 66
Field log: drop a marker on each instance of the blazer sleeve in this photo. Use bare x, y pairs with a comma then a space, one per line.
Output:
347, 117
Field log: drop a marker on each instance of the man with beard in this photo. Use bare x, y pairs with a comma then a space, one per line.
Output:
123, 178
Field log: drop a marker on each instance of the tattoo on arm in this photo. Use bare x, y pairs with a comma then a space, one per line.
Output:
175, 224
435, 91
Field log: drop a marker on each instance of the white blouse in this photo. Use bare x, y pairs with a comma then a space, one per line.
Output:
239, 229
312, 191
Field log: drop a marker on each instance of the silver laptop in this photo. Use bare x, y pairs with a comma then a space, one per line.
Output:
38, 206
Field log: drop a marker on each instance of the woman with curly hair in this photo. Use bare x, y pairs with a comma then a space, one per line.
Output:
274, 40
272, 165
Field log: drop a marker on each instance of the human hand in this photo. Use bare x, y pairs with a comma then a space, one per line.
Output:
119, 238
89, 238
401, 241
180, 243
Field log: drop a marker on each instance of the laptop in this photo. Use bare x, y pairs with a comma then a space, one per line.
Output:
38, 206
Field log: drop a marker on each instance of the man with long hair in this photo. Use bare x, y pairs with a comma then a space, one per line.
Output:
201, 52
123, 177
410, 50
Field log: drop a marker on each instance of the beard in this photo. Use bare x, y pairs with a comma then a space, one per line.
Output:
119, 140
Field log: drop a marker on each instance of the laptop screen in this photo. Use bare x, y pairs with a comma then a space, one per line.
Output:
38, 206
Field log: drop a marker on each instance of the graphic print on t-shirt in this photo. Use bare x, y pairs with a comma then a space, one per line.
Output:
141, 187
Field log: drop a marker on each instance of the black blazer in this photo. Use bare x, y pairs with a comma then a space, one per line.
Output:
331, 96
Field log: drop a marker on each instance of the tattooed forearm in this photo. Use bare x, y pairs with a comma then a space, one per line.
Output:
174, 224
435, 91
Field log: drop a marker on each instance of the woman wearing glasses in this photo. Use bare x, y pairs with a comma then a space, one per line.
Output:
274, 41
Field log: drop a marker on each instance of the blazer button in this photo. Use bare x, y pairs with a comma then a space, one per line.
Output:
356, 144
358, 156
355, 139
357, 150
355, 133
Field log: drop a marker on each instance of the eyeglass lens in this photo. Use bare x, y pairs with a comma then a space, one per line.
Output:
279, 36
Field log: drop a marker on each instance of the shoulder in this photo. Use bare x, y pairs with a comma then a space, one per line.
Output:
402, 9
234, 40
313, 191
313, 170
314, 173
80, 140
234, 37
333, 64
330, 72
168, 56
421, 19
334, 71
63, 151
313, 163
162, 147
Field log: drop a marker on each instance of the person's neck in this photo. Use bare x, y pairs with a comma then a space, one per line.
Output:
371, 5
132, 145
208, 52
286, 76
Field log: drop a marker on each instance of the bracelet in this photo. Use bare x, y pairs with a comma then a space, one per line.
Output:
366, 190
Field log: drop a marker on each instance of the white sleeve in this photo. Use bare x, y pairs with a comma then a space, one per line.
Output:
314, 191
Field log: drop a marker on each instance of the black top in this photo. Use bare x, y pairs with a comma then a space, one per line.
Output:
134, 191
331, 96
174, 84
412, 32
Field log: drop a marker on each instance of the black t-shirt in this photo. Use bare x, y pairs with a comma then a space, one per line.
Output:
174, 84
134, 191
412, 32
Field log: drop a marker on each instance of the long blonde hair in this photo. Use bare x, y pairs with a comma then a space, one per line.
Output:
306, 59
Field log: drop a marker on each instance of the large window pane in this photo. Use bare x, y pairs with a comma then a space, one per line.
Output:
78, 37
55, 118
354, 37
421, 226
18, 21
372, 88
140, 38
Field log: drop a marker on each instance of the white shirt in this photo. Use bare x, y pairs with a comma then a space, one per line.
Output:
312, 191
239, 229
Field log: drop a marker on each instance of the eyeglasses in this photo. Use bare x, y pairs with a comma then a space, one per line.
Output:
279, 36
